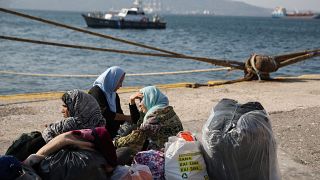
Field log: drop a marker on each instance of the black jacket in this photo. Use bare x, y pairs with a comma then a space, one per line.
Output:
111, 125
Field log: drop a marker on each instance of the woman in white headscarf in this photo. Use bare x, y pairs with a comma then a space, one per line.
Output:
104, 90
156, 121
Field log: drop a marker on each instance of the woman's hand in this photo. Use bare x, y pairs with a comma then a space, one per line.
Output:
135, 96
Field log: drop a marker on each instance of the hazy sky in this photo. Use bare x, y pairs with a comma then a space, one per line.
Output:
289, 4
81, 5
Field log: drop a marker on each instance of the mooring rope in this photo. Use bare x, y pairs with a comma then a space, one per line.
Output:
253, 64
298, 59
94, 76
287, 56
224, 63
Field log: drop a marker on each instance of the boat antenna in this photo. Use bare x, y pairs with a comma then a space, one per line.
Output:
137, 3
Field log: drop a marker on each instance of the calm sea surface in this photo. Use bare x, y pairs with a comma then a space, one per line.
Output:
232, 38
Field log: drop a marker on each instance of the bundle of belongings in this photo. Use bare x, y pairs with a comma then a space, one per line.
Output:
66, 163
239, 144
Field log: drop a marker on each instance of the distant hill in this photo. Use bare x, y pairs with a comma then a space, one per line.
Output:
218, 7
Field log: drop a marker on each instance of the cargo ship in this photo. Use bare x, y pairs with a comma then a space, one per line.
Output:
280, 12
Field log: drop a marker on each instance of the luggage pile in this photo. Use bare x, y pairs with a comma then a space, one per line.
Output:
237, 143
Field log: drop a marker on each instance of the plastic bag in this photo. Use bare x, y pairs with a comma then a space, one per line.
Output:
119, 172
239, 143
26, 144
69, 164
133, 172
28, 174
184, 160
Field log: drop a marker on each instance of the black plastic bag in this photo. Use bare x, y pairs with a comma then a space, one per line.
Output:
239, 143
26, 144
73, 164
28, 174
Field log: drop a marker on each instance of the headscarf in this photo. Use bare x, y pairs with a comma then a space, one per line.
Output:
153, 99
84, 113
107, 82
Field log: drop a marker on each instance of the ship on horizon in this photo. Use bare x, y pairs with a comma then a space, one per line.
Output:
280, 12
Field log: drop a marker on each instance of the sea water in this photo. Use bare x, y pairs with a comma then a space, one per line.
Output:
218, 37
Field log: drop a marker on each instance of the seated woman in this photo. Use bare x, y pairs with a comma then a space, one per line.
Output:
156, 121
80, 110
104, 90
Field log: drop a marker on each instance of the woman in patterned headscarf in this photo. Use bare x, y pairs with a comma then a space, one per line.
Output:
104, 91
157, 121
80, 110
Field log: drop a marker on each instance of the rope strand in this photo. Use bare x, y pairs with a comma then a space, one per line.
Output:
94, 76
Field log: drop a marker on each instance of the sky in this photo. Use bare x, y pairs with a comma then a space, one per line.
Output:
81, 5
313, 5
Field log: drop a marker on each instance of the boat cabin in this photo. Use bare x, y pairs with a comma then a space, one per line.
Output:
132, 14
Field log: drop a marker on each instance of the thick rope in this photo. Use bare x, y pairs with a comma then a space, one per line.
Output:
284, 57
253, 64
298, 59
94, 76
196, 85
259, 66
224, 63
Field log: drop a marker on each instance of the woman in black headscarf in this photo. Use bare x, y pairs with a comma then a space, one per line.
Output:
80, 110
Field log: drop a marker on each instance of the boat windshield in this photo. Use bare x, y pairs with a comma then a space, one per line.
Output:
132, 13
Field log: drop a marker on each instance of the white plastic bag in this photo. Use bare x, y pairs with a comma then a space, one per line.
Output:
133, 172
183, 160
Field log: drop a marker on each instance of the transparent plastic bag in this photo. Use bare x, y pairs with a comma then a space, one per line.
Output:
239, 144
133, 172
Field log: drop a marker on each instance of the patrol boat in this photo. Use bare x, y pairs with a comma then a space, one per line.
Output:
133, 17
